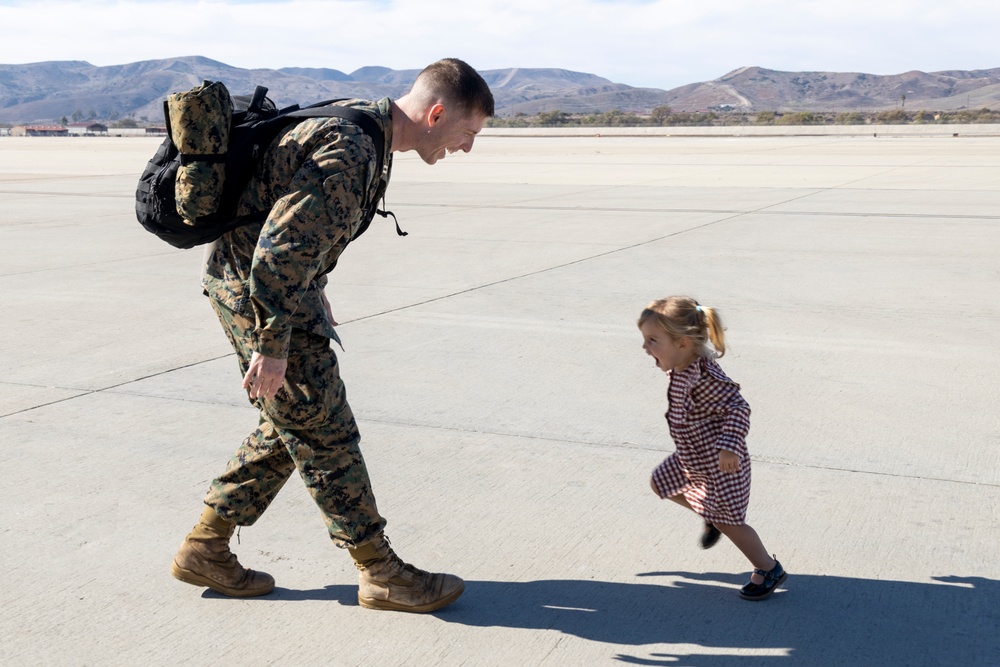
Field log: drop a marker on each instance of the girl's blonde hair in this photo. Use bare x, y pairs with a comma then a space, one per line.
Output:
683, 317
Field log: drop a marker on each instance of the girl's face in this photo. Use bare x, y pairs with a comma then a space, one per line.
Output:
669, 354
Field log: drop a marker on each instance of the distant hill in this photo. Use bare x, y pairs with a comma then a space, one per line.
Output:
76, 90
50, 91
759, 89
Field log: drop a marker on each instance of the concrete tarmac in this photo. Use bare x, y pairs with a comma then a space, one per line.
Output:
510, 419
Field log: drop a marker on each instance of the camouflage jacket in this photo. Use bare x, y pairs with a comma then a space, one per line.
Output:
317, 179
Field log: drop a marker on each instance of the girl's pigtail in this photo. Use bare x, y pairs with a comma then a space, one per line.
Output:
682, 317
716, 332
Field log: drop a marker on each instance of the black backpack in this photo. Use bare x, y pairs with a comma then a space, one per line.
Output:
255, 124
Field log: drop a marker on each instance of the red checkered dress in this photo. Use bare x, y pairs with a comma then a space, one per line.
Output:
706, 414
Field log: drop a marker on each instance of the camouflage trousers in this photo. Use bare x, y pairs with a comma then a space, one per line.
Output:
308, 426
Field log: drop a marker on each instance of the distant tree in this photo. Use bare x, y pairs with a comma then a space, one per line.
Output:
765, 118
799, 118
850, 118
77, 116
617, 118
518, 120
550, 118
963, 116
64, 121
987, 116
894, 117
660, 116
125, 122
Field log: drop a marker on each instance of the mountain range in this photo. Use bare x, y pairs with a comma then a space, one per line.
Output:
51, 91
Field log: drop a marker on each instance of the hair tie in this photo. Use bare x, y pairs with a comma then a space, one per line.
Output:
698, 308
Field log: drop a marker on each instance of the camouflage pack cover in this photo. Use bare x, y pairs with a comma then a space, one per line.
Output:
199, 126
255, 124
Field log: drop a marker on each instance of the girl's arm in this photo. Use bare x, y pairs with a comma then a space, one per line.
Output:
733, 440
735, 426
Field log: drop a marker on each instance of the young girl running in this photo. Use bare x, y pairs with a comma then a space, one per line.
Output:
708, 419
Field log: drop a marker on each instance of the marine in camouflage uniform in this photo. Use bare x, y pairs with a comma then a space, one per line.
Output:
266, 283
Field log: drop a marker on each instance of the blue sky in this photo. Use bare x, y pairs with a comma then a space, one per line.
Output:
656, 43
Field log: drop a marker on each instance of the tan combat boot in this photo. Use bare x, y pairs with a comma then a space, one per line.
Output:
204, 559
386, 582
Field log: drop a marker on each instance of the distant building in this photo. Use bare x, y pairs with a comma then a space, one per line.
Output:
87, 129
39, 131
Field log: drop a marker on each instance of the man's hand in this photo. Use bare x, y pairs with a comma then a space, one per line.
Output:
265, 375
329, 311
728, 461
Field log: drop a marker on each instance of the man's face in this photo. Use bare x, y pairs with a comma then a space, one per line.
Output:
447, 133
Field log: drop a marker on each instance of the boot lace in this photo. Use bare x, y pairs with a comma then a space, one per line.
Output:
392, 558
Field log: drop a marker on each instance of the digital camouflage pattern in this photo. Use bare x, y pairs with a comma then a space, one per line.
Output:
307, 426
266, 283
317, 179
199, 125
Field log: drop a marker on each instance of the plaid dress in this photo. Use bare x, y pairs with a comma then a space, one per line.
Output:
706, 413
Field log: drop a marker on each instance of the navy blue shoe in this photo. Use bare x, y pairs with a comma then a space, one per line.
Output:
773, 579
710, 536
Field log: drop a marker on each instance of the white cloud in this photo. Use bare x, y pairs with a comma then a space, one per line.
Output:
661, 43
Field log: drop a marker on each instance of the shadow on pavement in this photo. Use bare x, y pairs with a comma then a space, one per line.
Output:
814, 620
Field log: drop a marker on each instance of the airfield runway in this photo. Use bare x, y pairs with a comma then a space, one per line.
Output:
509, 417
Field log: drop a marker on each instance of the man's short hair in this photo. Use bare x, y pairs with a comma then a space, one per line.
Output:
457, 83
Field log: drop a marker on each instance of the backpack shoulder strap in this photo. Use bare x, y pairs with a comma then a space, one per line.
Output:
369, 126
364, 120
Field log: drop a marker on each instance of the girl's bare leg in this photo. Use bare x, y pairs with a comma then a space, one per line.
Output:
744, 537
746, 540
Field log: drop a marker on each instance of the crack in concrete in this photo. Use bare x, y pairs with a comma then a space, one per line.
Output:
735, 215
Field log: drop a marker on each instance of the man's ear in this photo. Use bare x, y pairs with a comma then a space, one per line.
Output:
435, 114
